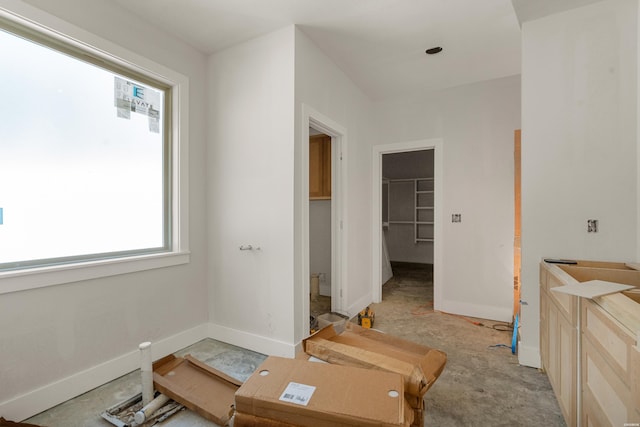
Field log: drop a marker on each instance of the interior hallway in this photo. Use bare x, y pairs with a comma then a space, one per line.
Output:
481, 385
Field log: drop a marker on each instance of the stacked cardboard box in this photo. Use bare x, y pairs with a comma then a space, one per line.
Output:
419, 365
293, 392
371, 379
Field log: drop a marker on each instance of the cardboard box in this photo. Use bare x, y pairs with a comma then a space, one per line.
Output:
244, 420
302, 393
418, 413
197, 386
419, 365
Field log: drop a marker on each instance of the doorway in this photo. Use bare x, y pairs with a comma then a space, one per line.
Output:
320, 167
422, 225
334, 277
408, 220
517, 159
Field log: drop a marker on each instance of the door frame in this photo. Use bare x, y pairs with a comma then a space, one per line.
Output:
435, 144
338, 134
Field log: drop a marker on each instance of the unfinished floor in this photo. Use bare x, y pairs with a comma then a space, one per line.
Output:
482, 384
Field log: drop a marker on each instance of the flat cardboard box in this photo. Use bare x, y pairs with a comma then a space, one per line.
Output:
343, 396
418, 414
245, 420
197, 386
419, 365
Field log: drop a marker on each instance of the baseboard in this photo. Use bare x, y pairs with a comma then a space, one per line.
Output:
529, 356
359, 305
501, 314
251, 341
50, 395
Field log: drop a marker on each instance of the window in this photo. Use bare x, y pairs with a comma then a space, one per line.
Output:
87, 147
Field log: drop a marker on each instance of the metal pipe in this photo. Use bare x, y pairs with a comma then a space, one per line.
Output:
146, 370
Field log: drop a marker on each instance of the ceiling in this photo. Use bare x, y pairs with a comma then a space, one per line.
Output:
379, 44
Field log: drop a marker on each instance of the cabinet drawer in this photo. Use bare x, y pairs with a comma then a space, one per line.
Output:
606, 399
610, 339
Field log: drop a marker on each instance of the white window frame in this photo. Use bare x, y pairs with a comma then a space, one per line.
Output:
37, 277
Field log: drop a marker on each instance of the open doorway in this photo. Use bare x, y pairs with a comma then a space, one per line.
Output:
424, 229
320, 208
408, 220
517, 159
316, 223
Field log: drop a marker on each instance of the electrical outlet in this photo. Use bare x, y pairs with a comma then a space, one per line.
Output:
456, 217
592, 226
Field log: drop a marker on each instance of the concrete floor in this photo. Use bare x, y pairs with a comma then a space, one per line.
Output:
482, 384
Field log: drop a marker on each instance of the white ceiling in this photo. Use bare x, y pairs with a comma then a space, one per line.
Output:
379, 44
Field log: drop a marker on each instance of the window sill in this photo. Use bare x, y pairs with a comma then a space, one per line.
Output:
15, 281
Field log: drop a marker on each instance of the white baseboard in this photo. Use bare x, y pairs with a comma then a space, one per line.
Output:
529, 356
50, 395
251, 341
359, 305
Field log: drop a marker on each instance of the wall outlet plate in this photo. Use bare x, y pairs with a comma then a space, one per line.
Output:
456, 217
592, 226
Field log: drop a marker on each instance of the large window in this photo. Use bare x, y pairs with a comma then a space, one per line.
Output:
85, 156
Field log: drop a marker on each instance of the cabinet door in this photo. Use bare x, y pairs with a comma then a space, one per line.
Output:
562, 365
544, 330
319, 167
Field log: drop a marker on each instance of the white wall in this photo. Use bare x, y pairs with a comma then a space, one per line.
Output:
250, 195
57, 342
477, 124
579, 144
321, 85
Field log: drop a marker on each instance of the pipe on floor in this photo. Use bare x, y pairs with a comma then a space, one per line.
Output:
143, 414
146, 370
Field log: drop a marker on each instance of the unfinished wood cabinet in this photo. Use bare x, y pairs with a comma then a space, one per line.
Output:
558, 343
609, 370
319, 167
589, 347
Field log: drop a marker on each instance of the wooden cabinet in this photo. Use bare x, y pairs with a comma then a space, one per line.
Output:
589, 347
558, 344
319, 167
609, 370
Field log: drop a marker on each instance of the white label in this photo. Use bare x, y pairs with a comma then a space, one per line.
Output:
129, 97
300, 394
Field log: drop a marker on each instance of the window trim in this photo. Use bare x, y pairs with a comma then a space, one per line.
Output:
97, 48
